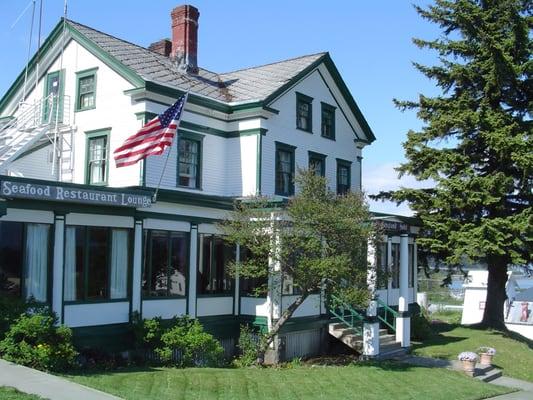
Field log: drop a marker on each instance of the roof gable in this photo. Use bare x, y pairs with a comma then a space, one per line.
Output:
227, 92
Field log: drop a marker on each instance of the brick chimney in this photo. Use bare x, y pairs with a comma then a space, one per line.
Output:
185, 37
163, 47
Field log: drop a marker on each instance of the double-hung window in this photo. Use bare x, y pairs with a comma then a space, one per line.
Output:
97, 157
189, 163
317, 163
166, 263
97, 263
328, 121
343, 176
86, 89
24, 260
284, 169
304, 112
215, 254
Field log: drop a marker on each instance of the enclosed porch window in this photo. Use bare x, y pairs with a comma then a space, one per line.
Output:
215, 254
97, 263
24, 260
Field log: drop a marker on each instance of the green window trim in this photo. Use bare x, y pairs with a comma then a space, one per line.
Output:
91, 136
80, 76
199, 139
344, 164
301, 100
313, 156
287, 148
46, 107
327, 109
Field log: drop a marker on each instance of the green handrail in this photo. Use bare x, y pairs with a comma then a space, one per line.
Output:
346, 313
385, 316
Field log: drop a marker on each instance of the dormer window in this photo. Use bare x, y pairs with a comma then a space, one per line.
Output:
304, 112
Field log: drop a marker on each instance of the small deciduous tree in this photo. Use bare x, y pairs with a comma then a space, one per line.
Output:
317, 239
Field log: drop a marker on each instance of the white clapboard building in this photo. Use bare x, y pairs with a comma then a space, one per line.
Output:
86, 237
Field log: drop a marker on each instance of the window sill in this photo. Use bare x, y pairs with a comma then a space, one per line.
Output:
84, 109
99, 301
177, 297
97, 184
327, 137
198, 189
214, 295
305, 130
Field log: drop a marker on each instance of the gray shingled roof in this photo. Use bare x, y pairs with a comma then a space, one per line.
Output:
251, 84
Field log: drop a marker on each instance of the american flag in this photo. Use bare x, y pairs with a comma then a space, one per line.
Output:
153, 138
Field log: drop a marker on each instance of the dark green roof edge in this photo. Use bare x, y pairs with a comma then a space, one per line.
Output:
31, 64
332, 69
408, 220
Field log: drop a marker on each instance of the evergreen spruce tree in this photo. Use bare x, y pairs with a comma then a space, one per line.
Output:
476, 143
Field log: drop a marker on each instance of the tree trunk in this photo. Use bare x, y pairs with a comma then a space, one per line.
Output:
264, 345
496, 295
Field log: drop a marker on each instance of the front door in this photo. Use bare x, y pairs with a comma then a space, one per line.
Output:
53, 95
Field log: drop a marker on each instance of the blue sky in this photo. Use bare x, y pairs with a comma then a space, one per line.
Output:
369, 41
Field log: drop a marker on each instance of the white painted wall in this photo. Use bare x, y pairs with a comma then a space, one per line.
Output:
113, 110
35, 216
96, 314
254, 306
282, 128
207, 306
37, 165
166, 308
310, 307
522, 329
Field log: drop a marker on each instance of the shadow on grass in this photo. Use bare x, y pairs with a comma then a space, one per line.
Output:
506, 334
125, 369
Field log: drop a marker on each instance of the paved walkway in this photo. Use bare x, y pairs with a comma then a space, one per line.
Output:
525, 389
45, 385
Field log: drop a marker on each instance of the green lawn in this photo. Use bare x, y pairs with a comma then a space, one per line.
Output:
363, 381
514, 354
7, 393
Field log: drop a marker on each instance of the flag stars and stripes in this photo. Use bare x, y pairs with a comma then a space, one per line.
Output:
153, 138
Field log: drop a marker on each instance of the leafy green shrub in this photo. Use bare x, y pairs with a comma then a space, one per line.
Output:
147, 332
247, 346
186, 344
35, 341
11, 308
420, 326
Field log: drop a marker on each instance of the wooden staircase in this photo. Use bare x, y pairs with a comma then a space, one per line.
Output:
389, 348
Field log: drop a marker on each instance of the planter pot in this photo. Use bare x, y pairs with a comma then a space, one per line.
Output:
485, 359
469, 367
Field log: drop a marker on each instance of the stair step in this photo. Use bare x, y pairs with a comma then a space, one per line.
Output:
383, 340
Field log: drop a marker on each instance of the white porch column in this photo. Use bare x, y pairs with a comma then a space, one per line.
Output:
403, 322
415, 269
274, 276
137, 266
193, 261
371, 331
236, 296
371, 324
57, 275
389, 263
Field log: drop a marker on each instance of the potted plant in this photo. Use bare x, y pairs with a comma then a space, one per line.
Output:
468, 359
486, 354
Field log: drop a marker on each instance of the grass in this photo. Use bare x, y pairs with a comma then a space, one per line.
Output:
514, 353
368, 381
8, 393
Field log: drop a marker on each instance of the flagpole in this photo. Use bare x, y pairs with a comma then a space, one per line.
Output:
154, 198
